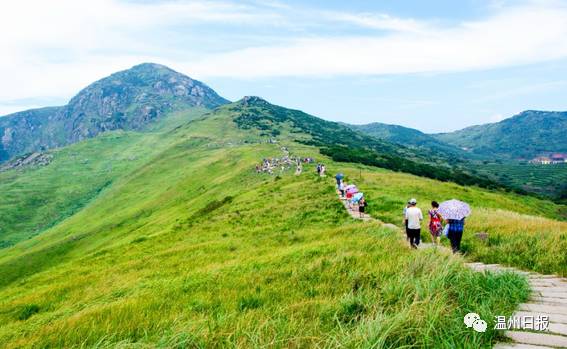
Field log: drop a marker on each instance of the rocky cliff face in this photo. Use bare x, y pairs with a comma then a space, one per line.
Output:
129, 99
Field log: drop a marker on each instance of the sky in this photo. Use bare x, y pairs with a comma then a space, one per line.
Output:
436, 65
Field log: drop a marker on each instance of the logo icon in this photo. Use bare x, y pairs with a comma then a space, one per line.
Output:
473, 320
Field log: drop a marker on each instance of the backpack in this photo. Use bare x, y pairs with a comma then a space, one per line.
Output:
435, 222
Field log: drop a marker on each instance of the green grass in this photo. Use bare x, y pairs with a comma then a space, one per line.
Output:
282, 265
523, 231
192, 248
35, 199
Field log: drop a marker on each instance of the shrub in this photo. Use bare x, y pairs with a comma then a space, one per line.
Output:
28, 311
249, 302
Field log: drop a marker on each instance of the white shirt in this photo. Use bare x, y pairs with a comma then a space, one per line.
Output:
414, 217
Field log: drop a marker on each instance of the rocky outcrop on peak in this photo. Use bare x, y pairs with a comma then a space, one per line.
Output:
28, 160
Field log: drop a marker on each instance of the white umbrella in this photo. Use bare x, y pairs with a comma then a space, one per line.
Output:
454, 209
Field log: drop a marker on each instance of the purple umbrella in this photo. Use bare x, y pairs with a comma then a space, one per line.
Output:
352, 190
454, 209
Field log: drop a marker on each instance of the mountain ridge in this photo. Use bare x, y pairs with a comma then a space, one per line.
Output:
406, 136
344, 144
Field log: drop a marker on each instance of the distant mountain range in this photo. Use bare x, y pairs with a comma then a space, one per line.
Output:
524, 136
128, 99
135, 98
408, 137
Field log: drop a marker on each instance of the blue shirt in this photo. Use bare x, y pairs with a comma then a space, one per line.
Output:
456, 226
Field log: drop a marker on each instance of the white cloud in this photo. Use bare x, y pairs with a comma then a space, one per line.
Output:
378, 21
53, 48
514, 36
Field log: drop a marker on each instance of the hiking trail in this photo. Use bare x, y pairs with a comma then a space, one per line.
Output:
548, 298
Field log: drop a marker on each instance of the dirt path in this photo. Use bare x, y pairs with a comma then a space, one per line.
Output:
548, 299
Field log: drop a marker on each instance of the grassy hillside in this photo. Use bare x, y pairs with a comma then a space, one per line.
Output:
34, 199
193, 259
523, 231
192, 248
524, 136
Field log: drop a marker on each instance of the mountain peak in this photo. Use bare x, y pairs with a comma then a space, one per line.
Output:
149, 82
128, 99
253, 101
150, 65
152, 69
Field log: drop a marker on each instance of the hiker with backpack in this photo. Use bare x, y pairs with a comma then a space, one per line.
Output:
435, 225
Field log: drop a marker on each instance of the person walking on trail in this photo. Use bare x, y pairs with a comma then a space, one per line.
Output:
435, 226
362, 207
455, 212
414, 216
339, 178
405, 220
318, 169
342, 189
456, 228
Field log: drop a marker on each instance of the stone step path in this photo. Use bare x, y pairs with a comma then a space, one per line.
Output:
548, 298
355, 214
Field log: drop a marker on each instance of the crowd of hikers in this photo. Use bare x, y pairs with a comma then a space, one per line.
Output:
283, 163
355, 200
451, 226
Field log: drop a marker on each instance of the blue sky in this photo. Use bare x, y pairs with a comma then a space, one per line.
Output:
432, 65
